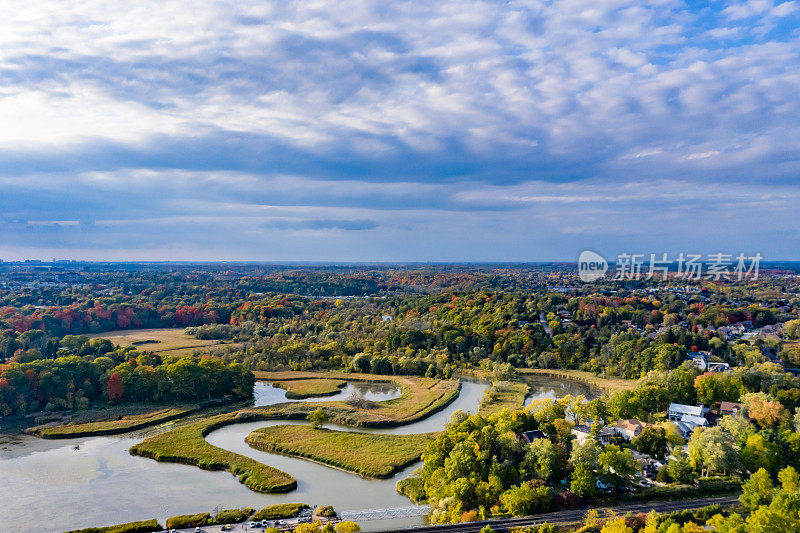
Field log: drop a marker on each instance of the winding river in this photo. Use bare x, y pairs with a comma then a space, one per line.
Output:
48, 485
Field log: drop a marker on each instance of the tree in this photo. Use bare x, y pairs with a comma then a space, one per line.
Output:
526, 499
714, 450
584, 481
763, 409
616, 525
679, 469
759, 453
652, 441
617, 466
347, 527
317, 417
757, 490
116, 389
541, 459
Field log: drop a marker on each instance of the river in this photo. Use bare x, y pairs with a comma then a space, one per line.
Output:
56, 485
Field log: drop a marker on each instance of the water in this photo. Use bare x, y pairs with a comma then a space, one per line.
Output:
543, 386
50, 485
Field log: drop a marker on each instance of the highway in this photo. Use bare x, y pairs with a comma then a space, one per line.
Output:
572, 515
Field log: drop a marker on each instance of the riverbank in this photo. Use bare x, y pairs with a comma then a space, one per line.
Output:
372, 455
186, 444
111, 426
610, 385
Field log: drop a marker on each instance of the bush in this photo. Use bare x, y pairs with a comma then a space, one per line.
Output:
144, 526
188, 520
282, 510
325, 511
231, 516
413, 488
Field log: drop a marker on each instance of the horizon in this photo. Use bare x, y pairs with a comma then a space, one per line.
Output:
407, 132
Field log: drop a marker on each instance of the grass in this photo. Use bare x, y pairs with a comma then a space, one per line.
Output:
413, 488
371, 455
231, 516
184, 521
112, 426
504, 395
610, 385
186, 444
306, 388
144, 526
281, 510
166, 341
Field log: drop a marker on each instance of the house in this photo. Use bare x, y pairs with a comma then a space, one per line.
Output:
529, 436
729, 408
629, 429
386, 318
583, 432
678, 410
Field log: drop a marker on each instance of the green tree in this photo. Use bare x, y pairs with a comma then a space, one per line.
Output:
652, 441
541, 459
713, 450
757, 490
584, 481
617, 466
526, 499
317, 417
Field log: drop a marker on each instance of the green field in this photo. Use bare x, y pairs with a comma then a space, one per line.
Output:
368, 454
112, 426
166, 341
298, 389
187, 444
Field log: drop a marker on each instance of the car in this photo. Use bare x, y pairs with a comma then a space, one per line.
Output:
253, 524
266, 523
197, 529
281, 522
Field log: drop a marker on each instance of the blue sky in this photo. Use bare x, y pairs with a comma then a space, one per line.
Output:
456, 130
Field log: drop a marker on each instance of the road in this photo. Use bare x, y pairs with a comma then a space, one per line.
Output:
571, 516
558, 517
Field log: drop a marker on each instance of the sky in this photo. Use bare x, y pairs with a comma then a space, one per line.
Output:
455, 130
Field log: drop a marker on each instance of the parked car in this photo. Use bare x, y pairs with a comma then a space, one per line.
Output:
253, 524
266, 523
197, 529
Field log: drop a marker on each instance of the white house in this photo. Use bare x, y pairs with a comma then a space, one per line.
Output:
583, 432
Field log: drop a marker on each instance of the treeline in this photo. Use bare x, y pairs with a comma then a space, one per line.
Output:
75, 382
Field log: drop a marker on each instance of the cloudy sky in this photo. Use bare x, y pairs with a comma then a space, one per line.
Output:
454, 130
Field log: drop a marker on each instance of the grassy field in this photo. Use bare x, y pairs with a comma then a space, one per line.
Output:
505, 395
168, 341
112, 425
610, 385
307, 388
368, 454
186, 443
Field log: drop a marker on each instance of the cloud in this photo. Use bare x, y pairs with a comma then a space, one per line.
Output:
365, 120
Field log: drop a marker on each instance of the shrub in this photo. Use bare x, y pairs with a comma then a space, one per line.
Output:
325, 511
413, 488
347, 527
144, 526
282, 510
231, 516
188, 520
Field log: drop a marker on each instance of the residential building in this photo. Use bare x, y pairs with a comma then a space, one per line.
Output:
583, 432
730, 408
629, 429
678, 410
